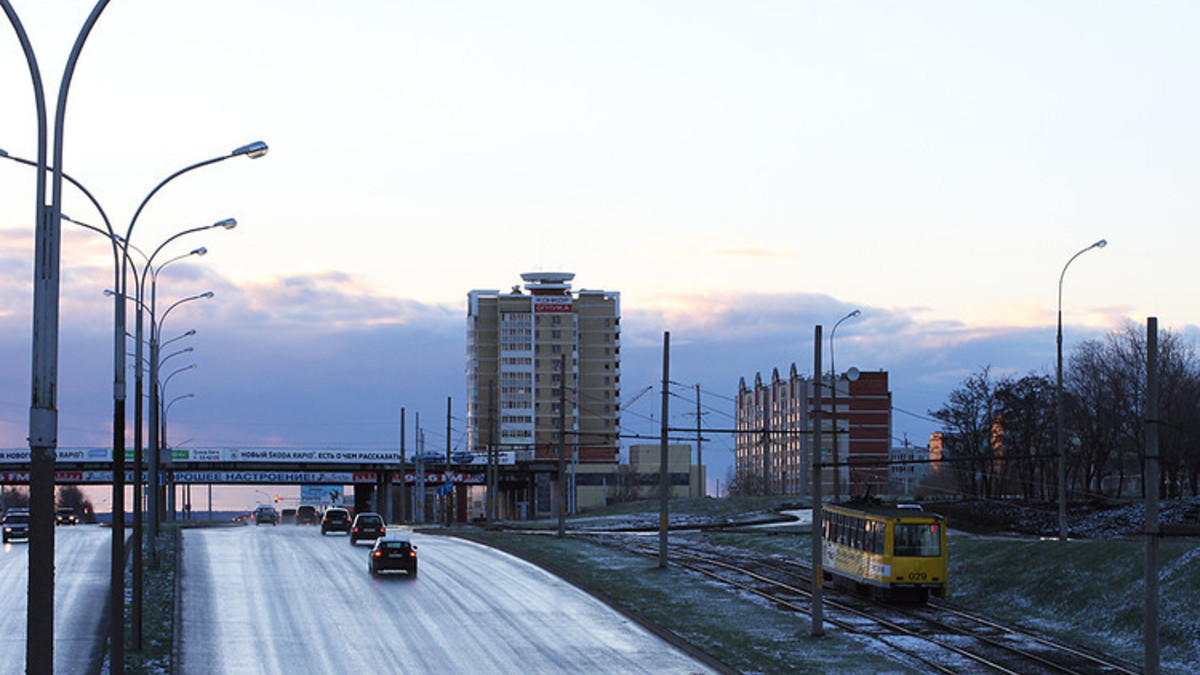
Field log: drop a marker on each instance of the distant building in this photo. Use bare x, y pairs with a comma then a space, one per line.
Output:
909, 467
645, 461
773, 453
544, 369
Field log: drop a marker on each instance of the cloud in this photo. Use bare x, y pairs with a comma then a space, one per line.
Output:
327, 359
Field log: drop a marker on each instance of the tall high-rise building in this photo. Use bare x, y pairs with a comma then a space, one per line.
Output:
544, 368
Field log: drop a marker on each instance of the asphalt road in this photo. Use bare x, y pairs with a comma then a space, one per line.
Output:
286, 600
81, 583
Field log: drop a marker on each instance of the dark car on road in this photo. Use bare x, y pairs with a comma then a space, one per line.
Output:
16, 525
396, 552
65, 516
335, 519
266, 514
367, 526
307, 514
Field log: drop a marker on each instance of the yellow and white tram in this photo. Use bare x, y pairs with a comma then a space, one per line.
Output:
889, 552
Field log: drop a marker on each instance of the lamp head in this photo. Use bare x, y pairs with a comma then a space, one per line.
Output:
1100, 244
3, 152
206, 294
199, 251
856, 313
191, 331
253, 150
228, 223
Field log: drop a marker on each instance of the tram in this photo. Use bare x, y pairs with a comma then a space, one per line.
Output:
893, 553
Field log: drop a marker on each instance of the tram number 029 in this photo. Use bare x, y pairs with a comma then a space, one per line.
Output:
917, 576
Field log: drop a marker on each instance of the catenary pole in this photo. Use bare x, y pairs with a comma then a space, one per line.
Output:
664, 483
561, 503
818, 627
699, 456
1152, 533
403, 474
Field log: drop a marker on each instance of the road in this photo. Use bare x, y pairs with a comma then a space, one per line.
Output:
286, 600
81, 582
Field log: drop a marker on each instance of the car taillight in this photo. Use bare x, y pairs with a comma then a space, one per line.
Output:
378, 554
356, 529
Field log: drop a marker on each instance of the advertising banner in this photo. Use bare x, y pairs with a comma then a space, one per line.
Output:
551, 304
65, 455
286, 455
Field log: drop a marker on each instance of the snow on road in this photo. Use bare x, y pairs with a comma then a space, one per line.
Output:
288, 600
81, 583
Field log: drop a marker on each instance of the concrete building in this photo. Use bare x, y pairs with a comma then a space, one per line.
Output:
773, 451
909, 468
544, 375
645, 461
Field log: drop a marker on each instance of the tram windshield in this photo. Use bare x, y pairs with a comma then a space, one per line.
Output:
922, 540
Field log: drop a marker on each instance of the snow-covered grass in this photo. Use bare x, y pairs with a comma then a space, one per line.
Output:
644, 514
744, 632
1085, 591
1089, 592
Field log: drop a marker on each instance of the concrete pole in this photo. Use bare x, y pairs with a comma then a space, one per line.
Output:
1152, 533
664, 478
818, 626
699, 456
404, 511
561, 496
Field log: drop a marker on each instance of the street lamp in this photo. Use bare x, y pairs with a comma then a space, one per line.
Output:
150, 270
1058, 445
156, 326
167, 408
837, 470
43, 412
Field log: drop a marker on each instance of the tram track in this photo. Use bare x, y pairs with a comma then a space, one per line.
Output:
939, 636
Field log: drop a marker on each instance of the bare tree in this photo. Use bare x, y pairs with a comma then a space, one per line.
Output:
1105, 388
970, 423
1028, 435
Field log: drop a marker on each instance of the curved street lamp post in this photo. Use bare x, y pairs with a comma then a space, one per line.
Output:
833, 385
1058, 405
155, 444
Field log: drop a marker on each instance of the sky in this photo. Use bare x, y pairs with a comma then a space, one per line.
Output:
738, 171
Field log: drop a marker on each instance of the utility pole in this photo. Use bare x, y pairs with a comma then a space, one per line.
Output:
493, 457
664, 483
447, 486
419, 463
562, 444
818, 627
766, 451
1152, 533
403, 473
699, 455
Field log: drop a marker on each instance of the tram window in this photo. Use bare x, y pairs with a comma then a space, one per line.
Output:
917, 540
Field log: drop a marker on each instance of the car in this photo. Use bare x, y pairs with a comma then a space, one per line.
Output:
16, 525
393, 552
336, 519
367, 526
307, 514
65, 516
266, 514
